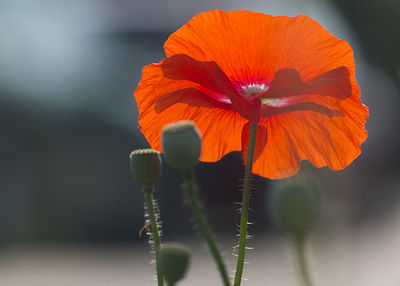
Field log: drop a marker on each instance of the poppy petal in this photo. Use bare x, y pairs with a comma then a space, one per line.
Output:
250, 46
268, 111
161, 101
287, 83
283, 141
210, 76
294, 94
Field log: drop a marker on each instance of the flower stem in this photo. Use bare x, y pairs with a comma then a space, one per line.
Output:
148, 195
201, 221
245, 205
300, 248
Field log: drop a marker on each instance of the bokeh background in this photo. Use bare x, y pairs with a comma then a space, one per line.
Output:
69, 210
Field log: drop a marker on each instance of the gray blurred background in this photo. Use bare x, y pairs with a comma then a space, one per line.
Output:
69, 210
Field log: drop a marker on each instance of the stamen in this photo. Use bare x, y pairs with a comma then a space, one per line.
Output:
274, 102
254, 88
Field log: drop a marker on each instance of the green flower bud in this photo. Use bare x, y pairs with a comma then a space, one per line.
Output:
145, 166
295, 205
181, 144
174, 261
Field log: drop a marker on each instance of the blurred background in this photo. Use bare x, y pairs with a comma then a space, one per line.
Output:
70, 212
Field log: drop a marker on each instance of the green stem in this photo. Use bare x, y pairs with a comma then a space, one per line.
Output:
245, 205
148, 195
203, 225
300, 247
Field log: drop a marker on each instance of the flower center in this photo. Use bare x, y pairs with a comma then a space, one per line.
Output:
256, 88
253, 88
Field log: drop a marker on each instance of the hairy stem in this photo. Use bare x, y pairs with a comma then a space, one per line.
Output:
203, 225
148, 195
245, 205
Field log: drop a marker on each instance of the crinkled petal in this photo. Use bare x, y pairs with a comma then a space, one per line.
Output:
284, 140
162, 100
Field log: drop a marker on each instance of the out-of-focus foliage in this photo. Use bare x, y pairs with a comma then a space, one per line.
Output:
377, 26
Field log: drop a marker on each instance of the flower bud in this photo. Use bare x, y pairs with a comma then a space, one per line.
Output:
174, 261
181, 144
145, 166
295, 205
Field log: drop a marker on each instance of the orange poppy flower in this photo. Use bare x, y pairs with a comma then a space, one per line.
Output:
226, 69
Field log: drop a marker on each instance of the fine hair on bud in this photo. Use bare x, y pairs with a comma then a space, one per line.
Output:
174, 261
181, 144
145, 166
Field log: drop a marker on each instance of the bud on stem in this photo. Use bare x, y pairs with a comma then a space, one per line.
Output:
146, 169
181, 144
145, 166
295, 205
174, 261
